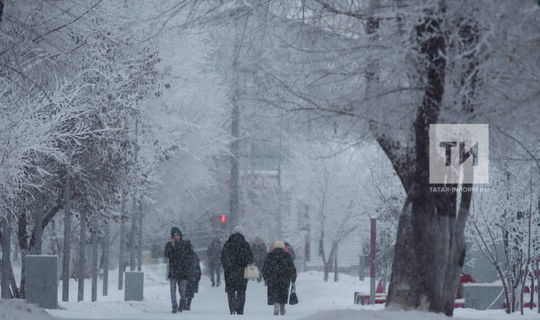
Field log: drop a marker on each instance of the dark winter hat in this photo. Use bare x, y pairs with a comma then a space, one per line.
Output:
175, 230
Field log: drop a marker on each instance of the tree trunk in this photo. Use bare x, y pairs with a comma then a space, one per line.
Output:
6, 258
234, 195
140, 236
22, 292
67, 240
533, 289
234, 192
430, 248
106, 244
16, 248
131, 242
121, 253
37, 233
95, 256
82, 258
336, 277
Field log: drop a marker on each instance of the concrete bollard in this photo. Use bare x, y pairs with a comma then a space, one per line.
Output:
134, 285
41, 284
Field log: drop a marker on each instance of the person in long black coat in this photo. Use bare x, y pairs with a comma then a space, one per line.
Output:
214, 262
235, 257
194, 274
278, 272
178, 266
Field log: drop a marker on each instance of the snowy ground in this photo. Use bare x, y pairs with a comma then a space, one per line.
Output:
318, 301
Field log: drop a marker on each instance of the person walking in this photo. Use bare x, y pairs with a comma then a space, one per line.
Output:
175, 252
214, 261
193, 274
278, 272
259, 254
235, 257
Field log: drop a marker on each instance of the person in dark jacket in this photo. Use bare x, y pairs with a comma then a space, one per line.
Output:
235, 257
214, 262
259, 254
175, 252
278, 272
194, 274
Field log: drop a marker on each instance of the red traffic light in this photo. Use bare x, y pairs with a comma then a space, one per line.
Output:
223, 218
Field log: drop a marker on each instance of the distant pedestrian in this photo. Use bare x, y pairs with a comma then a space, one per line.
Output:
259, 254
214, 261
175, 252
290, 250
235, 257
193, 275
278, 272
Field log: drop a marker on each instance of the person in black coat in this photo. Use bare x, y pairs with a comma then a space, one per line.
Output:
259, 254
194, 274
177, 274
214, 262
235, 257
278, 272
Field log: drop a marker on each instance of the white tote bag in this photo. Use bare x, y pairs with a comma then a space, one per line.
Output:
251, 272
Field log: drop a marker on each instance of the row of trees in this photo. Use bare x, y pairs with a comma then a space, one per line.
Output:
87, 122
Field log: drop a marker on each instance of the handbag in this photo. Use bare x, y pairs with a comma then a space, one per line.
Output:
251, 272
293, 298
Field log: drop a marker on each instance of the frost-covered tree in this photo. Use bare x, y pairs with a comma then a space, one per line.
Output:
504, 226
335, 188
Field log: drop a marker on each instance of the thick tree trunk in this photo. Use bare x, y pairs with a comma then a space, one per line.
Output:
67, 241
82, 258
430, 248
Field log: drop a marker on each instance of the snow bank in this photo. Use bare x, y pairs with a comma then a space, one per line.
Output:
15, 309
373, 315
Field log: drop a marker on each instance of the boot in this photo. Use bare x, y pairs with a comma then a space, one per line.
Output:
282, 309
276, 309
187, 307
174, 309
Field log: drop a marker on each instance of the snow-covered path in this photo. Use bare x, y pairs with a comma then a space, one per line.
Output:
319, 300
211, 302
